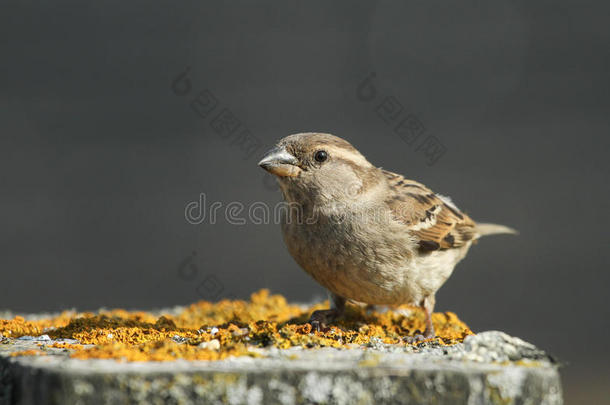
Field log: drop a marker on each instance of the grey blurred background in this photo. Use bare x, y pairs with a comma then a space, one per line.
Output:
99, 156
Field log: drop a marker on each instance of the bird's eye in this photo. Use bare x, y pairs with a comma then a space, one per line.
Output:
321, 156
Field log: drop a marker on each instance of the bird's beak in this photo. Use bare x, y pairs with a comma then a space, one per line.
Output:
281, 163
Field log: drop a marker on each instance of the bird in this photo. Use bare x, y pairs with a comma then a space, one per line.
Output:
366, 234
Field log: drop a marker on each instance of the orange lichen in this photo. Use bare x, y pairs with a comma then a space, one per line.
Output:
63, 345
31, 352
212, 331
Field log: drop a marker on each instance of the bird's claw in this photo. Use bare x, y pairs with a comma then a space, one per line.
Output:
319, 319
414, 339
315, 325
419, 337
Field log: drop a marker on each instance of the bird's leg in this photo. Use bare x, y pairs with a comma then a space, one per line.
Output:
320, 318
427, 305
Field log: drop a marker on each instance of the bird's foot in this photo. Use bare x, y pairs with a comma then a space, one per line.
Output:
321, 318
414, 339
418, 337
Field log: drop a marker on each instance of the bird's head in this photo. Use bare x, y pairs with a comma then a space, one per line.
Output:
319, 167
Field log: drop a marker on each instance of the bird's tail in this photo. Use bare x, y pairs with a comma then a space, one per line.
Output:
493, 229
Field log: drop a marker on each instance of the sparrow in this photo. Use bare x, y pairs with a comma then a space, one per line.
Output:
364, 233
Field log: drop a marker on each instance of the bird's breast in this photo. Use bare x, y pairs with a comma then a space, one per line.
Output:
352, 256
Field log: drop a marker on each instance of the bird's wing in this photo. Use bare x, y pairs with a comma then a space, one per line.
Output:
433, 219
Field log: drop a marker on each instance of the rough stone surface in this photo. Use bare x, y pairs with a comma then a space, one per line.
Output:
490, 367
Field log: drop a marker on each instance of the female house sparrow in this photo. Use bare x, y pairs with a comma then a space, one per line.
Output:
364, 233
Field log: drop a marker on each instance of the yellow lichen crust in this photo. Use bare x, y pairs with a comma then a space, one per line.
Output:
31, 352
213, 331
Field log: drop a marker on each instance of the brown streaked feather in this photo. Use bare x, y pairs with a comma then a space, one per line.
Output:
435, 223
